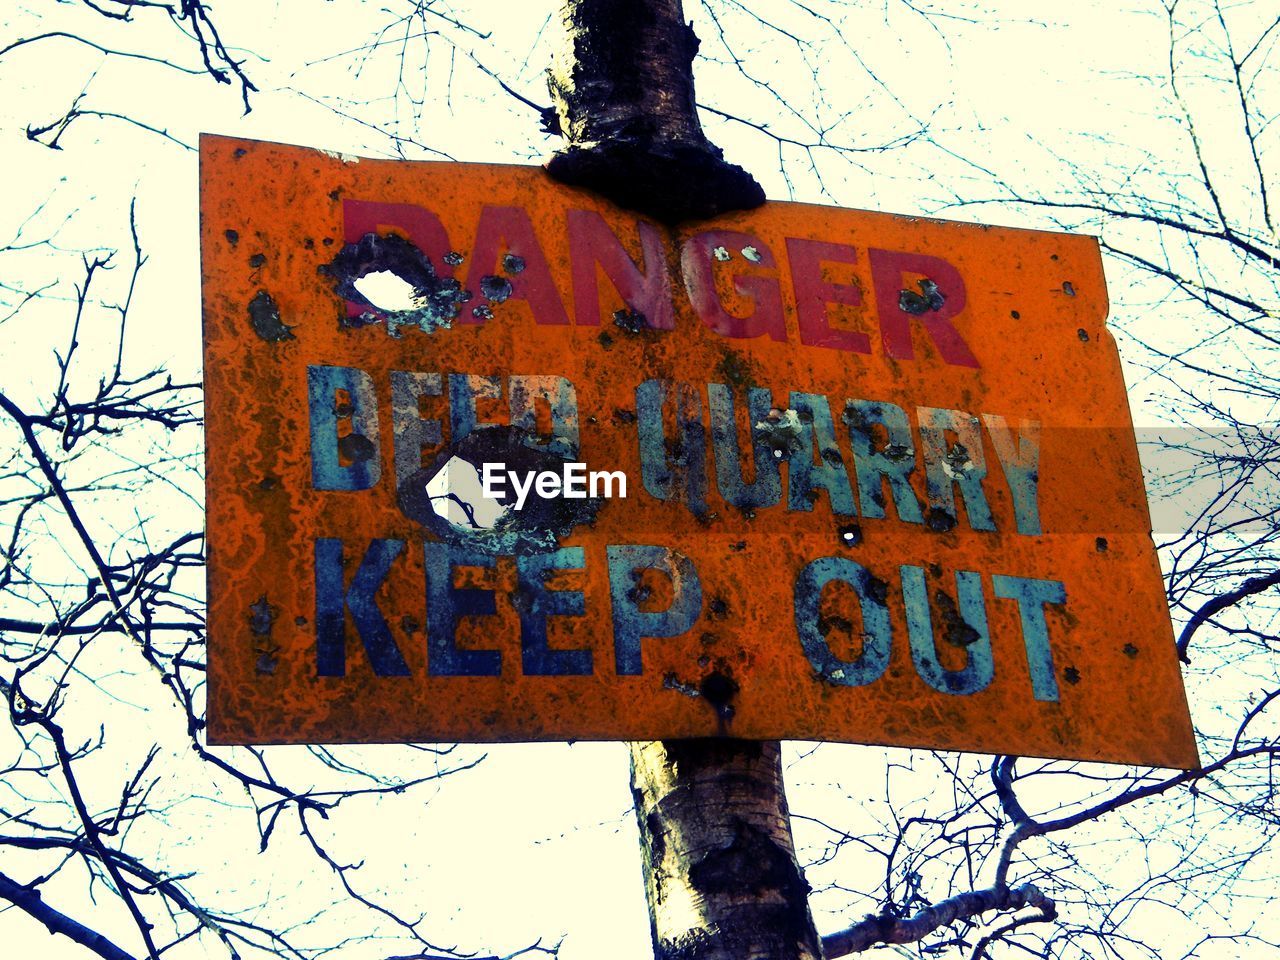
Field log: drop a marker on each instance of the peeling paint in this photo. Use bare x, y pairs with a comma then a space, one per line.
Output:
632, 321
344, 157
264, 314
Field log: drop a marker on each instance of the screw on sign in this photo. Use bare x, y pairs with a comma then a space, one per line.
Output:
869, 478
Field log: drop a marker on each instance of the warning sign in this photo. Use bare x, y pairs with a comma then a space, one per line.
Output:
490, 459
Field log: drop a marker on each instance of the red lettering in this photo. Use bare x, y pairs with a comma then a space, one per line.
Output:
939, 300
593, 247
507, 230
698, 260
814, 293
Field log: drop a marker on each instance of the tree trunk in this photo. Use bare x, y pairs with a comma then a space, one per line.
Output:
622, 84
720, 869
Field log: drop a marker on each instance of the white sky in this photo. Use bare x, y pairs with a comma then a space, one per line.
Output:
538, 841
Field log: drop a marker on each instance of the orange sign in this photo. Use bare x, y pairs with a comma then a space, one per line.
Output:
490, 459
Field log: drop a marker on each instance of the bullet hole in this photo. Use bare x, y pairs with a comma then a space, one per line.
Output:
233, 237
447, 497
357, 448
718, 608
299, 621
1015, 314
239, 152
719, 690
512, 264
939, 520
604, 339
832, 456
622, 415
482, 312
335, 194
309, 243
453, 258
327, 241
752, 254
929, 298
955, 630
410, 625
1071, 675
935, 571
781, 431
495, 289
738, 546
262, 617
268, 483
264, 315
1100, 544
1130, 650
1068, 289
704, 661
1083, 334
396, 282
632, 321
721, 254
257, 260
874, 589
850, 534
1053, 256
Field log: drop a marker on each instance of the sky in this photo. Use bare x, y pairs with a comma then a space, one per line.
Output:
538, 841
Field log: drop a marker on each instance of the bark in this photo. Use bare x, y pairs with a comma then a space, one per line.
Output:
720, 869
622, 85
29, 900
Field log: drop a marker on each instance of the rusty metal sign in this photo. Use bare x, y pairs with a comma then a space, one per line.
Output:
490, 459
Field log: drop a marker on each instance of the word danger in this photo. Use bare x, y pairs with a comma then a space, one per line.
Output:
647, 288
573, 483
536, 604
